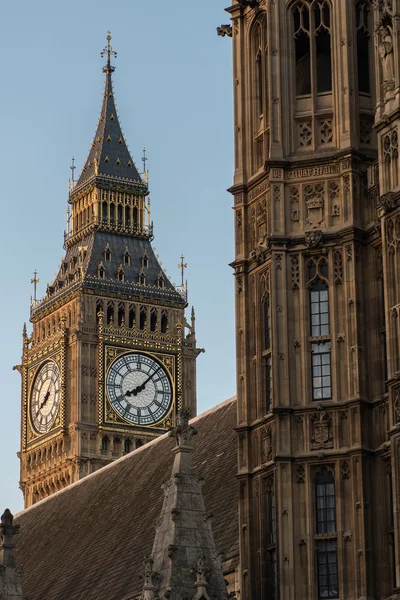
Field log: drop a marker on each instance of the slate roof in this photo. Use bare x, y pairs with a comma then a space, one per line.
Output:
109, 151
89, 540
78, 271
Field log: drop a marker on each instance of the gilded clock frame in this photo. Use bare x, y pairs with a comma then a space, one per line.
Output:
32, 370
108, 416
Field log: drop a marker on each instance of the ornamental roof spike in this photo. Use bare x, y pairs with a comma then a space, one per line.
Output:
109, 155
184, 561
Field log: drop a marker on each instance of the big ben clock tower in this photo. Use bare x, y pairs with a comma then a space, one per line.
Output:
110, 352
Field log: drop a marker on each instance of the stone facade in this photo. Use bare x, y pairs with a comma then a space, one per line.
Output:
317, 229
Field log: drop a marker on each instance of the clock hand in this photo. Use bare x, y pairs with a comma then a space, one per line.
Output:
47, 396
141, 387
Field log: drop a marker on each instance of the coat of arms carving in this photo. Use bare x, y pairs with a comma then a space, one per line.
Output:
321, 431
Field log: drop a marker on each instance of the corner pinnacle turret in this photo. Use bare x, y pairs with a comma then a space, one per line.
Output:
109, 156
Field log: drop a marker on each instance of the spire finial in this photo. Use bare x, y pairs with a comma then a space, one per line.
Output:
182, 266
35, 281
108, 51
7, 532
183, 432
72, 179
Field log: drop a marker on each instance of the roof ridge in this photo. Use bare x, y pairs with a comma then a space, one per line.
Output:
122, 458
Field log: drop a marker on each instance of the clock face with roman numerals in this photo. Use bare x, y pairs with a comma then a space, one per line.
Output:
139, 389
45, 397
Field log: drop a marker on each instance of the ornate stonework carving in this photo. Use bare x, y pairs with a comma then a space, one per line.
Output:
387, 202
344, 469
321, 431
305, 133
326, 131
385, 50
300, 473
294, 197
266, 444
294, 260
396, 405
366, 124
224, 30
314, 197
313, 238
338, 266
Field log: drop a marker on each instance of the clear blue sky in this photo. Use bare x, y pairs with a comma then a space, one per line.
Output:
173, 88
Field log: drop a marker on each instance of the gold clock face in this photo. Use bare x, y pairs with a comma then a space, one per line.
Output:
45, 397
139, 389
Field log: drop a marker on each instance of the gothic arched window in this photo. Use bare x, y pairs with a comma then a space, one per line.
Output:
259, 90
363, 23
312, 38
312, 79
325, 511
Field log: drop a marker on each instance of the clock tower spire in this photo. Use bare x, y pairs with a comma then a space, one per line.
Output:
111, 351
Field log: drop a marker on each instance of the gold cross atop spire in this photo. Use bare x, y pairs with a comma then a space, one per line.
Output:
35, 281
182, 266
108, 51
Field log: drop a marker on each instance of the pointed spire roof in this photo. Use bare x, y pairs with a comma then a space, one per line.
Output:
10, 583
184, 562
109, 155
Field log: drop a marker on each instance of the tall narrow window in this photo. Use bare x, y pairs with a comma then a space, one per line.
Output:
143, 318
301, 15
323, 46
110, 313
319, 329
127, 446
121, 314
271, 542
164, 322
312, 73
153, 320
127, 216
363, 12
391, 540
259, 70
325, 508
267, 354
131, 317
259, 91
104, 212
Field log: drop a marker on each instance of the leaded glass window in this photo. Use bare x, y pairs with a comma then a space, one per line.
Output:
272, 560
312, 41
321, 371
325, 509
326, 503
319, 328
319, 308
327, 569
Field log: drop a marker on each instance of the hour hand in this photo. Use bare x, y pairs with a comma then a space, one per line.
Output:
47, 396
136, 391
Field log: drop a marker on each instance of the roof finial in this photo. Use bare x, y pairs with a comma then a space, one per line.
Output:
108, 51
35, 281
72, 180
145, 171
182, 266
